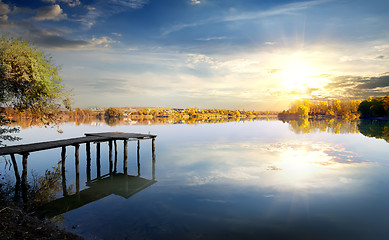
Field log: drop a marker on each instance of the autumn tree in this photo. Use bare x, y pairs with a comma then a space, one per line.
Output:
30, 80
334, 108
112, 112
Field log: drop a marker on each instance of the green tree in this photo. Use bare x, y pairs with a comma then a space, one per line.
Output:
30, 80
374, 107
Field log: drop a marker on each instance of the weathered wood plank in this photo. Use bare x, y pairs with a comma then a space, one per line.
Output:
33, 147
122, 135
89, 137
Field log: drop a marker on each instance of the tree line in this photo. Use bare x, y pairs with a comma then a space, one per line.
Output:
322, 109
374, 107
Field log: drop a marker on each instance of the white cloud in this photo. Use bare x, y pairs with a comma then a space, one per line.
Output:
194, 2
194, 59
53, 12
90, 19
135, 4
281, 10
212, 38
90, 8
101, 42
4, 10
71, 3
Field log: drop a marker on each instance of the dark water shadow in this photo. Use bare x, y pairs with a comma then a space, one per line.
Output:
118, 184
375, 128
371, 128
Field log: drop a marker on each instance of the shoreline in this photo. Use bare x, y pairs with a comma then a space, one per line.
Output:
375, 118
15, 223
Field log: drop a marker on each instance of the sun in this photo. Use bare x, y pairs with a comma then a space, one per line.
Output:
299, 74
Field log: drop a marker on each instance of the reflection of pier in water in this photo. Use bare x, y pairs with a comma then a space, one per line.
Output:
112, 183
117, 183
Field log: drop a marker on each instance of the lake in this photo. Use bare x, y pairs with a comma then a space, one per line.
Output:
235, 180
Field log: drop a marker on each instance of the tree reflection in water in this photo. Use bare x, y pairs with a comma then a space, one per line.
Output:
375, 128
335, 126
47, 188
370, 128
40, 190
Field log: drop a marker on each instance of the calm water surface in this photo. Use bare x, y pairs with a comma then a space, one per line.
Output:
237, 180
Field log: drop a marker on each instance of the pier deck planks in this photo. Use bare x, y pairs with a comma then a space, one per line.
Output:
89, 137
121, 135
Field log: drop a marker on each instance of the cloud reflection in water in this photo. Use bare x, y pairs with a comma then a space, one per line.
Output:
283, 165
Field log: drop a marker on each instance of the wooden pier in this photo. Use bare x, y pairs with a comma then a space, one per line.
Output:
89, 137
97, 138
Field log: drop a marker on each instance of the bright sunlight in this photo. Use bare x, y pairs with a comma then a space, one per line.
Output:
299, 74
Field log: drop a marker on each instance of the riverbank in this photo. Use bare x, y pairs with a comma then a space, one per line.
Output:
17, 224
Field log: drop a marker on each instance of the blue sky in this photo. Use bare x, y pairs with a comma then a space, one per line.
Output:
248, 54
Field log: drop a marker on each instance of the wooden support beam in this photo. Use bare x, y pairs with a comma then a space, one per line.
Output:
98, 165
125, 157
63, 171
138, 157
24, 178
17, 176
77, 165
116, 155
110, 157
153, 146
153, 157
88, 162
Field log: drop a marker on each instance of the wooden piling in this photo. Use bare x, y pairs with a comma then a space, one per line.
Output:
88, 162
63, 171
24, 178
153, 157
125, 157
17, 176
110, 157
153, 146
138, 157
98, 165
77, 165
116, 155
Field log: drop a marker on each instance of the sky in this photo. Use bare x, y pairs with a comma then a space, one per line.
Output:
247, 54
